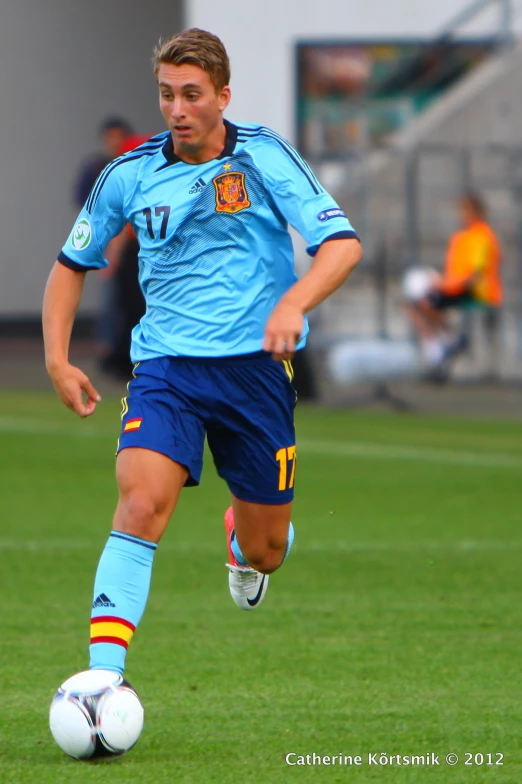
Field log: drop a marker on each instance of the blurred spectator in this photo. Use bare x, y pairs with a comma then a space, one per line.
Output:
129, 305
128, 300
113, 133
122, 304
471, 280
132, 141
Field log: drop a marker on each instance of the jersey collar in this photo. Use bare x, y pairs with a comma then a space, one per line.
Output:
228, 149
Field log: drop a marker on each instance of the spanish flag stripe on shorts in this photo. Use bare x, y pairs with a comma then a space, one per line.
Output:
132, 424
109, 629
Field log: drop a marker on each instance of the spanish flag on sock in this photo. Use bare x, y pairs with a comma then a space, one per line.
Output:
107, 628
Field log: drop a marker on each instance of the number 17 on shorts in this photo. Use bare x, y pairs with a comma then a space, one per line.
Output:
286, 458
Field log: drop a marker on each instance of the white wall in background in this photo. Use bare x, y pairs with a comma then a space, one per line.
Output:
260, 37
64, 65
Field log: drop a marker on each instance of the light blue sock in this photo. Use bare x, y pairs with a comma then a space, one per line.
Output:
236, 549
289, 543
240, 558
121, 590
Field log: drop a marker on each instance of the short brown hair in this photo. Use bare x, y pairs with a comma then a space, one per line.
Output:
476, 202
197, 47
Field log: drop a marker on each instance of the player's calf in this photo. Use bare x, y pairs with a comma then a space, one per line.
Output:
149, 485
249, 573
267, 561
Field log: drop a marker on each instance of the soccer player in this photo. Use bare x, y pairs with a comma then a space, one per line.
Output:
210, 202
471, 278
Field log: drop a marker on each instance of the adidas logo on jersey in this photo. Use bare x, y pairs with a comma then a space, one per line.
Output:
102, 601
198, 186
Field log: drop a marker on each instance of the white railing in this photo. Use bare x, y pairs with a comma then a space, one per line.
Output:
506, 15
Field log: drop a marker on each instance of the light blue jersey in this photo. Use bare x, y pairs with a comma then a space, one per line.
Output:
215, 252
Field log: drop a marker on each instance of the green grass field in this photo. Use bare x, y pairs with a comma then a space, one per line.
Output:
395, 626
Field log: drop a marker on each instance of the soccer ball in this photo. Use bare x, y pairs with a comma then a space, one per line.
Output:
418, 282
96, 714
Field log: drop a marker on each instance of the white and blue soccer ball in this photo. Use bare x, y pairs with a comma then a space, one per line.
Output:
96, 713
418, 282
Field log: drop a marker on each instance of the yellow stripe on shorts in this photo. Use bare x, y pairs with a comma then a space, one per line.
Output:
288, 369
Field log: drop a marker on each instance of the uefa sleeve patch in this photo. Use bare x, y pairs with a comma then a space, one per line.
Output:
81, 235
326, 215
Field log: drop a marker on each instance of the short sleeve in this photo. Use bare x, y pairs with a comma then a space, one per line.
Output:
300, 197
101, 219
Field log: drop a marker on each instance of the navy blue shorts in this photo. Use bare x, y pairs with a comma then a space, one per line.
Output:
245, 407
441, 301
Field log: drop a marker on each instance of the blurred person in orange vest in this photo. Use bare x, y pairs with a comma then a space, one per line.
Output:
471, 278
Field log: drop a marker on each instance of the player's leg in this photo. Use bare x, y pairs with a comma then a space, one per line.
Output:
432, 309
420, 321
436, 306
428, 319
259, 539
149, 486
260, 535
160, 450
252, 439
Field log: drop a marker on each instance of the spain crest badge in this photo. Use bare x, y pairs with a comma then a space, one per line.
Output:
231, 192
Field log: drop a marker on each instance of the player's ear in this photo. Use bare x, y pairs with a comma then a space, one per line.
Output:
224, 97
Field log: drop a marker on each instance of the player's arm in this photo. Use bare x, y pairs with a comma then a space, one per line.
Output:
101, 220
61, 299
333, 263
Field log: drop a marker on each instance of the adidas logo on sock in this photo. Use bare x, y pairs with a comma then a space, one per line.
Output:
198, 186
102, 601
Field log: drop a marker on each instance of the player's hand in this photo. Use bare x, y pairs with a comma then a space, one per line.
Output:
283, 330
75, 390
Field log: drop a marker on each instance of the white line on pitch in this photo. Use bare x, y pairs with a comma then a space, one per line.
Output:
401, 452
348, 449
464, 546
35, 427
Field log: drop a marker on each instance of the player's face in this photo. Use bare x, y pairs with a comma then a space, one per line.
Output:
192, 110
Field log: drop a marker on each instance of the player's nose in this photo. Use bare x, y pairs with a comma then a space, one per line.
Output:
177, 111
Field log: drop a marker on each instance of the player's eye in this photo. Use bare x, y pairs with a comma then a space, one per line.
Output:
166, 96
193, 96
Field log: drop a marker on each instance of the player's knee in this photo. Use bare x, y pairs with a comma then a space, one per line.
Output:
137, 515
266, 561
